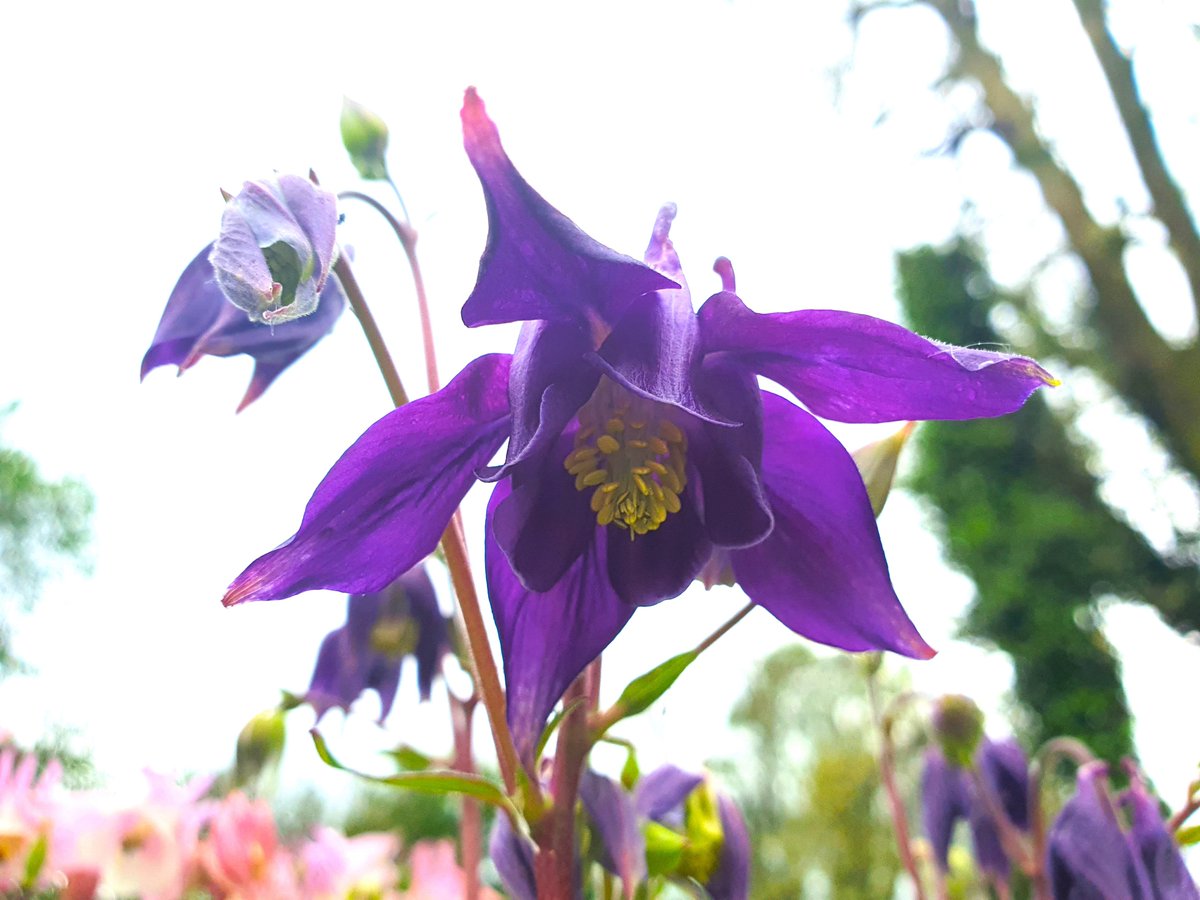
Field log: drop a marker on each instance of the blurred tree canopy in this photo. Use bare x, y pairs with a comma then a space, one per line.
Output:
41, 522
809, 787
1019, 498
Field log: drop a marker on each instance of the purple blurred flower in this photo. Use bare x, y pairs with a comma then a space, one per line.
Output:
513, 856
949, 794
682, 810
1090, 856
639, 446
200, 321
381, 630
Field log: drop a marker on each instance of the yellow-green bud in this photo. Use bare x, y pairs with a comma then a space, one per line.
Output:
958, 728
365, 137
877, 464
259, 745
705, 836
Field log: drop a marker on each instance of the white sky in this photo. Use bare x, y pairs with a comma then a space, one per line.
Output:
122, 121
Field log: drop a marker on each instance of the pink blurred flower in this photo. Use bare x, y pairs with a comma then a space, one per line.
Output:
335, 866
26, 812
436, 875
241, 855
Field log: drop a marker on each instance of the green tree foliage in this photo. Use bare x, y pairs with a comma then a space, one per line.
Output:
40, 522
1021, 515
810, 787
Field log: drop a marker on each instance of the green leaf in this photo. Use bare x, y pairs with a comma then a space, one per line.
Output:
35, 861
432, 781
551, 726
1187, 837
645, 689
410, 759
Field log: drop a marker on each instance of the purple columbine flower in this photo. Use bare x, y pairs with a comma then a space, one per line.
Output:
1090, 856
214, 310
702, 826
381, 630
640, 446
949, 794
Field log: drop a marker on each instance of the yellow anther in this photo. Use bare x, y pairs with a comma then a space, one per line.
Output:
670, 431
634, 457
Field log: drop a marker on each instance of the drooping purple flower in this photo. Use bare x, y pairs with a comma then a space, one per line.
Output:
200, 321
640, 447
949, 794
706, 828
1089, 855
513, 856
381, 630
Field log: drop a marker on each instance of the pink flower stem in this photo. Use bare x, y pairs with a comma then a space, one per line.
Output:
887, 771
471, 825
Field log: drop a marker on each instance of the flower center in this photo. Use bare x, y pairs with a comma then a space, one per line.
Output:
633, 455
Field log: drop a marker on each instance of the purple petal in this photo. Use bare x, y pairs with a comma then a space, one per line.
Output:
654, 350
1006, 770
315, 211
822, 571
548, 383
336, 680
537, 263
548, 638
545, 524
384, 504
731, 880
611, 810
855, 368
663, 790
729, 460
241, 269
943, 802
989, 851
512, 855
1087, 855
661, 564
433, 634
199, 321
1155, 845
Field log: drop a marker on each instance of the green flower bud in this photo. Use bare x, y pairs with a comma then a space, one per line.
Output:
365, 137
664, 849
958, 728
705, 836
259, 745
877, 464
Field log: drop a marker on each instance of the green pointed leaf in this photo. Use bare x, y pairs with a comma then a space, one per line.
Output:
645, 689
410, 759
552, 726
432, 781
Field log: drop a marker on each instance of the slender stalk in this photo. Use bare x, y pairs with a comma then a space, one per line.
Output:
721, 631
1184, 813
1010, 836
358, 303
483, 662
487, 679
408, 240
555, 834
1044, 761
471, 825
399, 198
887, 771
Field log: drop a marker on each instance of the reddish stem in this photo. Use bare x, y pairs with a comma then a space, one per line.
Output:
555, 869
471, 827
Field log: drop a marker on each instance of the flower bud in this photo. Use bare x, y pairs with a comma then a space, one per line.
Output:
259, 745
958, 728
877, 464
365, 137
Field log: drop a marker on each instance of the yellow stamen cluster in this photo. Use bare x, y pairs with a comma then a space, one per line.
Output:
633, 455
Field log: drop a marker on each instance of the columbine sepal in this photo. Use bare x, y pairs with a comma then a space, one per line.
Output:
276, 246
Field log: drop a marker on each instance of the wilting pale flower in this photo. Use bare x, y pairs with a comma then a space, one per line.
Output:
640, 446
1089, 855
275, 248
200, 321
673, 823
381, 630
